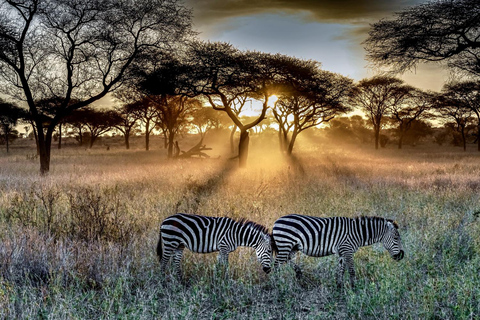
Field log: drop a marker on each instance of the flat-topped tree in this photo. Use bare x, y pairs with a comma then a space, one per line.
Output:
437, 31
225, 75
309, 97
166, 84
79, 49
377, 96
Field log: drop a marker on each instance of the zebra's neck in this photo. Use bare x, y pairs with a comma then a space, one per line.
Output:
248, 235
371, 230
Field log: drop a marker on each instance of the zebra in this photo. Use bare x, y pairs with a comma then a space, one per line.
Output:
204, 234
319, 237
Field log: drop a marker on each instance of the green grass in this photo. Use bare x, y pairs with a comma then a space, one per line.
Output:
80, 243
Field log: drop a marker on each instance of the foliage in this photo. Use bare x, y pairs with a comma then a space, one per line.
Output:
435, 31
78, 51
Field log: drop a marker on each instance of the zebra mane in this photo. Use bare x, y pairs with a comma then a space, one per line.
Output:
250, 224
395, 224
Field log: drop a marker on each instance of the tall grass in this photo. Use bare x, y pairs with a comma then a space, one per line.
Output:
79, 243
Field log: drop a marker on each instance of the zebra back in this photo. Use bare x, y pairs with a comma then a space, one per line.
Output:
318, 236
203, 234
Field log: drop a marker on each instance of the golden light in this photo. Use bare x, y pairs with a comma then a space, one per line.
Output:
272, 99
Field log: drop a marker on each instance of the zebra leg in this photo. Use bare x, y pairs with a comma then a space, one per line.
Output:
165, 259
177, 258
351, 269
340, 271
283, 255
298, 271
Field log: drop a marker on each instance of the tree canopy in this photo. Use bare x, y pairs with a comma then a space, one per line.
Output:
78, 50
444, 30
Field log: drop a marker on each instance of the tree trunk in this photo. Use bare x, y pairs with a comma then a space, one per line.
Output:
6, 139
147, 135
232, 135
400, 140
92, 140
243, 148
377, 136
127, 140
171, 137
60, 136
292, 142
44, 145
464, 139
478, 136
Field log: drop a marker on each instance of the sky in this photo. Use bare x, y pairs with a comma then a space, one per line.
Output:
328, 31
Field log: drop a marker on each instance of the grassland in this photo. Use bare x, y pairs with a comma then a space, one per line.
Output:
79, 243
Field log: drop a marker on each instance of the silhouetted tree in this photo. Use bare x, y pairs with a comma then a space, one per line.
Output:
354, 128
168, 87
455, 110
78, 50
204, 119
413, 108
126, 120
444, 30
377, 96
9, 116
468, 94
418, 129
94, 122
223, 74
314, 97
146, 111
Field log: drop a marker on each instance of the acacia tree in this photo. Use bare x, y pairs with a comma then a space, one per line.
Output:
79, 49
451, 107
414, 107
468, 94
168, 87
126, 120
309, 102
377, 96
98, 122
223, 74
437, 31
146, 111
9, 116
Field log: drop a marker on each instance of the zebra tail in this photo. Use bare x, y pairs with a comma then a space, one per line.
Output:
160, 247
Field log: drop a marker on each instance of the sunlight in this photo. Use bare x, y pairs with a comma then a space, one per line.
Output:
272, 100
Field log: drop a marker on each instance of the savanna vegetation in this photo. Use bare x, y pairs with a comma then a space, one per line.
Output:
77, 241
80, 242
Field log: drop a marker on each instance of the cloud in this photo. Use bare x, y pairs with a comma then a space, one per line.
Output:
207, 12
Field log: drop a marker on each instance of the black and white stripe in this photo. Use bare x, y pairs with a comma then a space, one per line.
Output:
210, 234
319, 237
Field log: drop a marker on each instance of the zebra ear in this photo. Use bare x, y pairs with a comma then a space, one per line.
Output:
391, 225
267, 237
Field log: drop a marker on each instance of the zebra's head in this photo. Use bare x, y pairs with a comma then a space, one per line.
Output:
392, 242
264, 251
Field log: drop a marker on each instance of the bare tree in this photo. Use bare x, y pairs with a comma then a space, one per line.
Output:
377, 96
79, 49
444, 30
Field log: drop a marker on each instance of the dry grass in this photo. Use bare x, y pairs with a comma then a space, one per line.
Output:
80, 242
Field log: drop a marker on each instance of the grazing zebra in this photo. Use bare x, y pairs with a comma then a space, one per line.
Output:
319, 237
209, 234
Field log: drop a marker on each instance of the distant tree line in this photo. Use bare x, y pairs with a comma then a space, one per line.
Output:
58, 58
